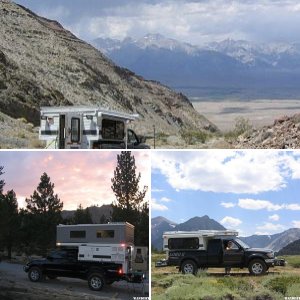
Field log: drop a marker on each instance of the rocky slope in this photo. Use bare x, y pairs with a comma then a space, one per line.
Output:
43, 64
291, 249
275, 241
283, 134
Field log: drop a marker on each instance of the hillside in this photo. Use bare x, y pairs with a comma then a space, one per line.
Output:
291, 249
159, 225
284, 133
97, 213
43, 64
274, 241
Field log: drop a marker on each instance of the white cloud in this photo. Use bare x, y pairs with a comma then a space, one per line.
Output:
293, 206
230, 221
227, 204
271, 227
158, 206
156, 190
258, 204
296, 224
274, 217
226, 171
165, 199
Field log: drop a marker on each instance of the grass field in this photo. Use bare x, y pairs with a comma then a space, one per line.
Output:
280, 282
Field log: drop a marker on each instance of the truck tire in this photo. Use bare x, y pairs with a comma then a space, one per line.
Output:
189, 267
35, 274
257, 267
96, 281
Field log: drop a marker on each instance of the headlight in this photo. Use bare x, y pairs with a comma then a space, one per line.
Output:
270, 254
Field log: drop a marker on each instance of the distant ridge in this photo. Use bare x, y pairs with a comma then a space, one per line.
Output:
160, 225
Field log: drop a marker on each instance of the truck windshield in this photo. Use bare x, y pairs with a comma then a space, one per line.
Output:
241, 243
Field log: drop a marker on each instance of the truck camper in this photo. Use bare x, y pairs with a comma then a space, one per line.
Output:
194, 250
98, 253
80, 127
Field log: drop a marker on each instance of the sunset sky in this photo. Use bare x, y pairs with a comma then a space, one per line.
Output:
79, 176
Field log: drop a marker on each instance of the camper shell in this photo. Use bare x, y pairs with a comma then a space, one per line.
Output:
82, 127
112, 233
193, 250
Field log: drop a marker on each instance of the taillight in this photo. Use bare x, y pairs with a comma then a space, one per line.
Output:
120, 271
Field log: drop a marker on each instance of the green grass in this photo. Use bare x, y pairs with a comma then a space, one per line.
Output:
282, 282
293, 260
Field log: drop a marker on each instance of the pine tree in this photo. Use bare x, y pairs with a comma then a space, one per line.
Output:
125, 183
9, 221
82, 216
2, 182
129, 206
44, 208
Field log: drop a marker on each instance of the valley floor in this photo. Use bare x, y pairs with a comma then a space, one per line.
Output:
258, 112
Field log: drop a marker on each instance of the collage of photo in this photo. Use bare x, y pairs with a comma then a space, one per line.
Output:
149, 150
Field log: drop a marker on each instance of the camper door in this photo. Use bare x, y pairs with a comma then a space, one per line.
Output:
73, 133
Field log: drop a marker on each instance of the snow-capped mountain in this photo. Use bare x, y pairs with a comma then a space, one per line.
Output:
236, 67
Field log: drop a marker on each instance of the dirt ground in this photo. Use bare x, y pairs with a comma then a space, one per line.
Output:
15, 285
258, 112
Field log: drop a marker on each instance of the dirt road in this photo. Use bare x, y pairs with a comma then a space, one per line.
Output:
15, 285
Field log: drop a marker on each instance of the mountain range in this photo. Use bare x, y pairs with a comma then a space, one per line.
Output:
275, 242
160, 224
43, 64
230, 68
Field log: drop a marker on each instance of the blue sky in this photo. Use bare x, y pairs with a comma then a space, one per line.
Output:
254, 192
191, 21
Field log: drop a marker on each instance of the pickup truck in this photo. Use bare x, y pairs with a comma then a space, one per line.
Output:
220, 253
64, 263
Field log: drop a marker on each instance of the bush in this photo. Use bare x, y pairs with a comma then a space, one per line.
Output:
280, 284
241, 126
191, 136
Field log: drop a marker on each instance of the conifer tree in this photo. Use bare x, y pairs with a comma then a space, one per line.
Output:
125, 183
44, 209
82, 216
2, 182
129, 205
9, 221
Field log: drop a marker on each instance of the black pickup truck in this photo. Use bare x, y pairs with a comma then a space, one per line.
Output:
64, 263
220, 253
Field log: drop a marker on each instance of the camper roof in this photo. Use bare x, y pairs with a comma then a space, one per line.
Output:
203, 233
87, 110
97, 225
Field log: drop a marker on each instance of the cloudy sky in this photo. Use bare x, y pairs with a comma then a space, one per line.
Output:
191, 21
79, 176
254, 192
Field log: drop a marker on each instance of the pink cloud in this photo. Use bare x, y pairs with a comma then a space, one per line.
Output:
79, 176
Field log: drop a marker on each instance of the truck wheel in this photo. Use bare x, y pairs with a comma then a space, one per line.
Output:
257, 267
189, 267
35, 274
96, 282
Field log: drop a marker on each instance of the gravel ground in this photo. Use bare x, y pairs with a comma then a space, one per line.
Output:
15, 285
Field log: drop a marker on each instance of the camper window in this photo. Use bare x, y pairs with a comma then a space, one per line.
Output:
105, 233
77, 234
112, 129
183, 243
75, 129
